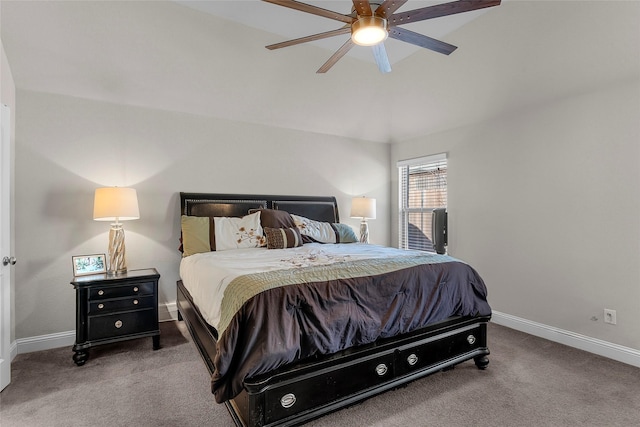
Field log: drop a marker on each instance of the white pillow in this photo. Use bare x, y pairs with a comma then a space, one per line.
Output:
236, 233
321, 232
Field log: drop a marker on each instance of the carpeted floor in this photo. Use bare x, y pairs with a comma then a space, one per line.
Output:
530, 382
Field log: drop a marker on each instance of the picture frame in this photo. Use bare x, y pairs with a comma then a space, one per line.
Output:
89, 264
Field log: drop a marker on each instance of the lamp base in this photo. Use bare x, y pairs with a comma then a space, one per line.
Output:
364, 232
116, 272
117, 262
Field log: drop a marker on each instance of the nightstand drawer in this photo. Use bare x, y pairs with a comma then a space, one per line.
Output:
122, 304
118, 324
110, 291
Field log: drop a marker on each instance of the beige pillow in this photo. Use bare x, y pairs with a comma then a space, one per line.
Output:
195, 235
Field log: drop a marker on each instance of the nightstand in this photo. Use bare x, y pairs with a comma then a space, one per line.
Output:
115, 308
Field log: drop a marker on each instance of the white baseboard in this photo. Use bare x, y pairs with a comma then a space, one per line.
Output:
13, 350
592, 345
166, 312
45, 342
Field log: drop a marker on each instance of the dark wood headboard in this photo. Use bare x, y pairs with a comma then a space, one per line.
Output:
319, 208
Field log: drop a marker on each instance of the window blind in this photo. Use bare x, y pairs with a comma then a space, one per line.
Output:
423, 188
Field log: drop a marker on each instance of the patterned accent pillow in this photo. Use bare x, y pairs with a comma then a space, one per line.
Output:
282, 238
315, 231
237, 233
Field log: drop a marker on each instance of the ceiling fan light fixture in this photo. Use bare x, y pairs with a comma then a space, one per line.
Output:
369, 30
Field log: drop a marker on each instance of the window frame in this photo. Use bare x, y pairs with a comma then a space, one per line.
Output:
436, 161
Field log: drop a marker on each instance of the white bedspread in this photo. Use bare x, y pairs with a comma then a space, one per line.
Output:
206, 275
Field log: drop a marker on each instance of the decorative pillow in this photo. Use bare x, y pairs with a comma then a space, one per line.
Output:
322, 232
195, 234
282, 238
346, 233
274, 218
236, 233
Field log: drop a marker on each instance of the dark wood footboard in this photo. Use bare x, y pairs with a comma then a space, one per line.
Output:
290, 395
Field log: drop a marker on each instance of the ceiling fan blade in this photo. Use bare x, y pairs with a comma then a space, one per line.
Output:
363, 8
336, 56
319, 36
421, 40
380, 55
314, 10
439, 10
388, 7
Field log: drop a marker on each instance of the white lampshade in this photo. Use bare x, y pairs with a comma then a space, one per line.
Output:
115, 204
363, 207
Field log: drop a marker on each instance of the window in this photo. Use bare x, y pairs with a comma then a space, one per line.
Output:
423, 188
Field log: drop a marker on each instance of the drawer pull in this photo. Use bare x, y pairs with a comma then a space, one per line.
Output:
135, 302
100, 292
288, 400
100, 306
118, 324
412, 359
135, 289
471, 340
381, 369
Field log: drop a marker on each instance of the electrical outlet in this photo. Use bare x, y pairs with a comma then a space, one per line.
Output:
609, 316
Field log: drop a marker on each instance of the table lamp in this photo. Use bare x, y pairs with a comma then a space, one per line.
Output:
116, 204
365, 208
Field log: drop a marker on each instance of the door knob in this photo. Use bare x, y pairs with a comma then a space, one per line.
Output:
9, 260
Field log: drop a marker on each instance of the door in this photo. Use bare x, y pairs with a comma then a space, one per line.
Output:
5, 246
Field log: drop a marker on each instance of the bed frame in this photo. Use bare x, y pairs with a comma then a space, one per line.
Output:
301, 391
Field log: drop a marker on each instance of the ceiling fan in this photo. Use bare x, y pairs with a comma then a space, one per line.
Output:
369, 27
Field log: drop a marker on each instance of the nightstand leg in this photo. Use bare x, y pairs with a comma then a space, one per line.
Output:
80, 356
156, 342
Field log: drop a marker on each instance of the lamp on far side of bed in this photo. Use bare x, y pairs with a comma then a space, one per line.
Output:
365, 208
116, 204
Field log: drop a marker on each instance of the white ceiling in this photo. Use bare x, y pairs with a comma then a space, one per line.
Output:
171, 56
292, 24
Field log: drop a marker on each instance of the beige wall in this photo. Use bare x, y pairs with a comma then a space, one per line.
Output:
69, 146
545, 204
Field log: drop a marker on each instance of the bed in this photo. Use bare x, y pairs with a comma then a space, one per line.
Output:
289, 366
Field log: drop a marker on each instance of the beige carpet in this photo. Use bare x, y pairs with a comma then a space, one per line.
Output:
530, 382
